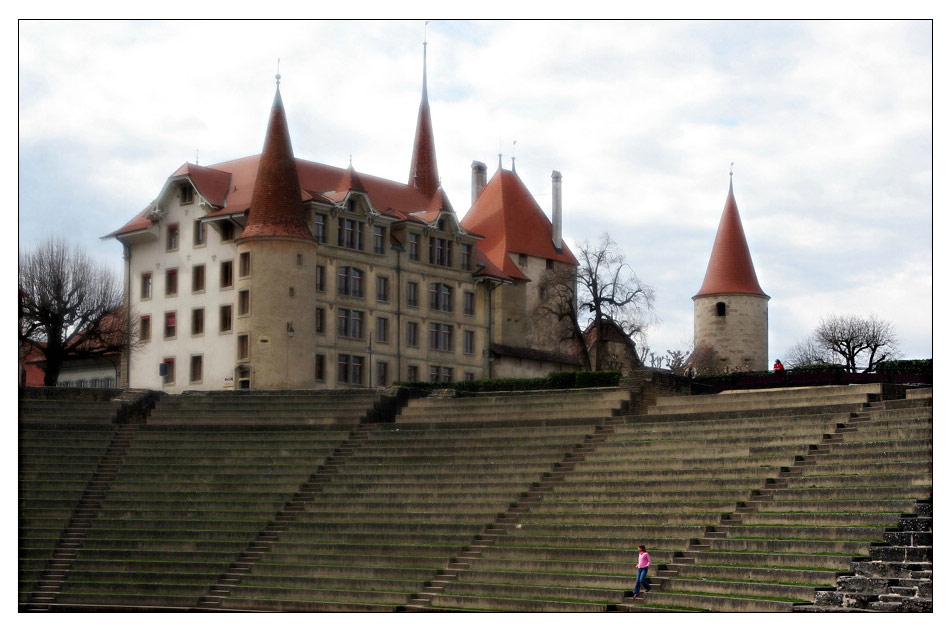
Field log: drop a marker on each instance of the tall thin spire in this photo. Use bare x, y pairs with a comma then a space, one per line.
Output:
277, 208
730, 268
423, 171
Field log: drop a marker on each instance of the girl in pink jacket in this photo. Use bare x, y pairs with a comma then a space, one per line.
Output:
642, 567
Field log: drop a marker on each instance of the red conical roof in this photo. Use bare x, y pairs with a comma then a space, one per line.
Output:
423, 172
277, 208
730, 267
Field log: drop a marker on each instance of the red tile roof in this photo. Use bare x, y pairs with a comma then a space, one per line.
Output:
277, 209
511, 221
212, 184
730, 267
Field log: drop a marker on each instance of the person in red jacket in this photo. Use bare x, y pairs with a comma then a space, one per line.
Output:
778, 367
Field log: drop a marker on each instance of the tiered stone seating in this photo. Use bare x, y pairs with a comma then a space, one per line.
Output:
517, 406
659, 484
733, 403
56, 463
397, 511
185, 503
801, 532
347, 406
65, 410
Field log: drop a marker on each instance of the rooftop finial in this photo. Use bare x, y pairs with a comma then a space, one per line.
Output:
425, 43
499, 161
513, 143
196, 157
731, 164
277, 76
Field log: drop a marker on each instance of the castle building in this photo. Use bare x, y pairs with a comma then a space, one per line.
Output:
730, 311
273, 272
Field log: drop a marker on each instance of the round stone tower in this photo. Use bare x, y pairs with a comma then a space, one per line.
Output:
730, 311
276, 271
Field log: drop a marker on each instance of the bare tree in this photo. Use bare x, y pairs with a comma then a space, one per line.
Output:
609, 290
69, 307
859, 343
559, 286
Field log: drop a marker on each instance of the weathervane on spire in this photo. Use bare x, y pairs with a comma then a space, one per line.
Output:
277, 76
425, 37
513, 143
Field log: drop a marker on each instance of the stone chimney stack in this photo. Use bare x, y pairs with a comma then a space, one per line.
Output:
479, 179
556, 209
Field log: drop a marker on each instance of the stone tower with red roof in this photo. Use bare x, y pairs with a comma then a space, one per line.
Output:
730, 311
276, 266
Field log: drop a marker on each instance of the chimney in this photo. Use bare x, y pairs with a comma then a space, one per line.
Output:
556, 210
479, 179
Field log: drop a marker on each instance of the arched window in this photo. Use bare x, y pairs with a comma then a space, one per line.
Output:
720, 309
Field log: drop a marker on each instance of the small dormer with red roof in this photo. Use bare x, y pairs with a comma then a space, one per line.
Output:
730, 311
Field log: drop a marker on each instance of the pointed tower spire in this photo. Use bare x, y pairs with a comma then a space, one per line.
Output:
277, 209
423, 172
730, 268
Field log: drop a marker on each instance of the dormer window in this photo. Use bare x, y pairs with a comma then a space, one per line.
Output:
186, 194
720, 309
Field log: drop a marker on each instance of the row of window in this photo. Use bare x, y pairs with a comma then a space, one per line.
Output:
350, 371
199, 234
350, 236
350, 326
349, 284
226, 277
106, 382
170, 322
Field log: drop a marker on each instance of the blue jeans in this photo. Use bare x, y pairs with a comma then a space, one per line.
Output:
642, 579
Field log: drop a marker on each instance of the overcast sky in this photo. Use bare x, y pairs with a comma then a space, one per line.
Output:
829, 124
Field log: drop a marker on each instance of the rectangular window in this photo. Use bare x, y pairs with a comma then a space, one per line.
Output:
412, 294
197, 321
469, 303
549, 264
321, 278
412, 334
197, 278
194, 374
349, 323
349, 281
470, 376
382, 329
440, 336
522, 259
382, 289
244, 265
170, 325
244, 302
412, 373
146, 286
171, 282
243, 347
145, 328
227, 231
349, 369
321, 319
225, 318
440, 252
171, 238
319, 368
320, 229
440, 374
440, 297
186, 194
200, 232
469, 342
169, 377
379, 234
413, 246
349, 234
382, 368
466, 256
227, 274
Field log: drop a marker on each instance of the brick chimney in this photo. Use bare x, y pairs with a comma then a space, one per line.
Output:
556, 210
479, 179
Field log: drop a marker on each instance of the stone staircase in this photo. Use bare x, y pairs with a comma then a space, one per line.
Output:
65, 410
325, 407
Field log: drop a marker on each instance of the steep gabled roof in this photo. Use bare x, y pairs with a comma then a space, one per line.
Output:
211, 183
730, 268
277, 209
511, 221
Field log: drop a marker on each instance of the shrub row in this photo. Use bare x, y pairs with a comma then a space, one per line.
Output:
916, 367
554, 380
